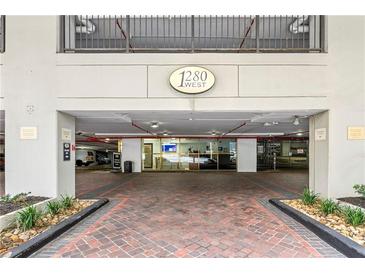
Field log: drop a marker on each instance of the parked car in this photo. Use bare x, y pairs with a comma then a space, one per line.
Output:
85, 157
103, 160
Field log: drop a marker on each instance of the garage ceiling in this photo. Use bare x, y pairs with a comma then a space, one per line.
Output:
185, 123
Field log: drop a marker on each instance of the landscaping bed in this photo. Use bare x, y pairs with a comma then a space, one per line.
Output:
9, 204
340, 224
357, 201
335, 220
31, 222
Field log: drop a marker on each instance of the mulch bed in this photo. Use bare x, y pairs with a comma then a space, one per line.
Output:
7, 207
13, 236
357, 201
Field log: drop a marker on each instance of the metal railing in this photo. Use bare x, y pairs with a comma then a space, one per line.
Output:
252, 33
2, 33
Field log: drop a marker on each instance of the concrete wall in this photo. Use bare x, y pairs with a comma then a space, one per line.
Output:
132, 151
66, 169
319, 154
29, 77
246, 155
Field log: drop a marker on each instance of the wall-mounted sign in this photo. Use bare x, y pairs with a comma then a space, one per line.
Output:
66, 151
356, 133
320, 134
192, 80
117, 160
66, 134
28, 133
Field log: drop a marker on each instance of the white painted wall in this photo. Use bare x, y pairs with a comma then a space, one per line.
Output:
319, 154
132, 151
346, 50
29, 73
66, 169
246, 155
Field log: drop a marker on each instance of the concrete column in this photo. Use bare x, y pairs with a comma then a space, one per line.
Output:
66, 169
246, 155
29, 80
132, 151
319, 153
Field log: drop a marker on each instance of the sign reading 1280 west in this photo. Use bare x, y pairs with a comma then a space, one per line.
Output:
192, 80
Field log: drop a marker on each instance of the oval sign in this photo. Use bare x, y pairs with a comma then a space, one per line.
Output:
192, 80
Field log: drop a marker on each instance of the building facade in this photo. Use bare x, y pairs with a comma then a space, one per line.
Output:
55, 70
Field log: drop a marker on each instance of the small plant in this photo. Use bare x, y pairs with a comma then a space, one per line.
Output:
20, 198
6, 198
353, 216
28, 217
53, 207
309, 197
360, 189
67, 201
328, 206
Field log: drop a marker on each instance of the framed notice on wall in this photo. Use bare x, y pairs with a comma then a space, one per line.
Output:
356, 133
320, 134
28, 133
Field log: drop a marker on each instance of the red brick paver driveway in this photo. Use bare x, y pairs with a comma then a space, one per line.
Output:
204, 214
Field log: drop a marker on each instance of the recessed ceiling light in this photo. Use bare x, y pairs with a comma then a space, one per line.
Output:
214, 133
165, 133
154, 125
190, 119
299, 134
266, 124
107, 140
275, 123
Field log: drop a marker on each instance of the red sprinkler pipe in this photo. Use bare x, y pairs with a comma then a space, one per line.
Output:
234, 129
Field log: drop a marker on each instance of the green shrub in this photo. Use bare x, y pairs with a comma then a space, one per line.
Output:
353, 216
18, 198
6, 198
53, 207
28, 217
309, 197
328, 206
360, 189
67, 201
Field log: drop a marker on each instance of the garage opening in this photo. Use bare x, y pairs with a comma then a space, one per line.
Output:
186, 141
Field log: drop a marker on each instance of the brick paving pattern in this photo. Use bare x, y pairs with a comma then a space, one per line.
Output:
190, 215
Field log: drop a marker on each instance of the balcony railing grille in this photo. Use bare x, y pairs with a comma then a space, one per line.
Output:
2, 33
252, 33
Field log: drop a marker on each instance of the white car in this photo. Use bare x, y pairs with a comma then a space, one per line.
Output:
85, 157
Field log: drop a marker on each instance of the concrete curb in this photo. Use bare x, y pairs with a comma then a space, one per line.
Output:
343, 244
34, 244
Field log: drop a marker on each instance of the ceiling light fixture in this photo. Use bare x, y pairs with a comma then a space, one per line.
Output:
214, 133
190, 119
299, 134
154, 125
296, 121
165, 133
107, 140
267, 124
275, 123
